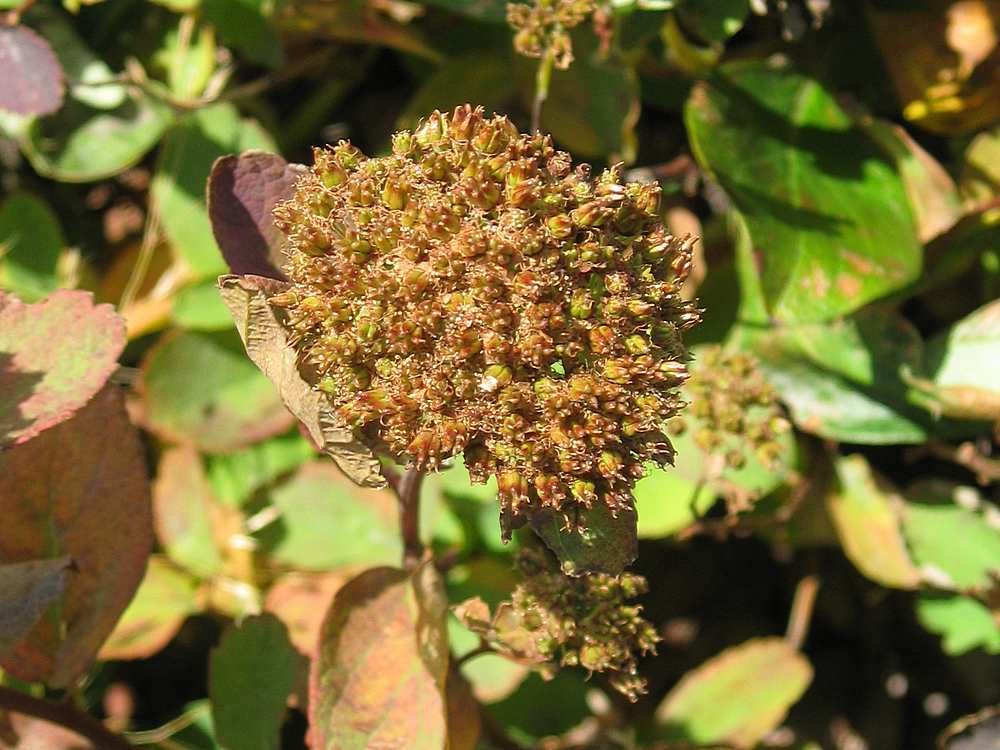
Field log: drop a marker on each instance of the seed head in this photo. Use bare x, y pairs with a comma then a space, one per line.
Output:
447, 313
543, 27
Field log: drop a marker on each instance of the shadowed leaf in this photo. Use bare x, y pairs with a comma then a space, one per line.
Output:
266, 344
26, 591
54, 356
166, 596
32, 80
227, 406
781, 148
737, 697
251, 674
98, 513
379, 679
32, 242
242, 191
869, 526
606, 544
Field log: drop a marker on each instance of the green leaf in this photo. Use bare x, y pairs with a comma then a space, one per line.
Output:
962, 622
26, 591
199, 307
327, 522
227, 406
379, 678
250, 676
955, 359
841, 380
483, 79
246, 26
182, 501
667, 502
166, 596
178, 187
494, 11
827, 213
82, 144
868, 525
737, 697
236, 476
933, 522
54, 356
31, 241
78, 489
593, 107
606, 544
713, 20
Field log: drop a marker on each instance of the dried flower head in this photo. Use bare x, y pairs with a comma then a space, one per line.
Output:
543, 27
735, 408
555, 620
473, 293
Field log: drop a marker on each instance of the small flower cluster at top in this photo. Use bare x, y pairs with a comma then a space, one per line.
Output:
554, 620
734, 408
474, 293
543, 28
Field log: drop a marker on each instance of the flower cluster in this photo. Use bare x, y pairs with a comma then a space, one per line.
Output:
555, 620
543, 28
735, 409
473, 293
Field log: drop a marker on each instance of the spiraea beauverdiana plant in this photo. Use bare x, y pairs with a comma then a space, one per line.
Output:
474, 293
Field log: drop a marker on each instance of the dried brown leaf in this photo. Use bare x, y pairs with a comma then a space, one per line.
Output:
266, 344
78, 489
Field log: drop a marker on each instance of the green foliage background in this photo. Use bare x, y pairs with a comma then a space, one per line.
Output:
840, 162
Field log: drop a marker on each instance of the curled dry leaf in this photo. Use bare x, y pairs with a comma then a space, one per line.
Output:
267, 345
241, 192
54, 356
32, 80
98, 513
379, 678
26, 590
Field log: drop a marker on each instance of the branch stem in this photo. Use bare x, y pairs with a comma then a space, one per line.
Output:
802, 609
65, 715
542, 78
408, 492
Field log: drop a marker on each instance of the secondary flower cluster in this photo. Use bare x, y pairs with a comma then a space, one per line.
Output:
734, 408
543, 28
553, 619
472, 292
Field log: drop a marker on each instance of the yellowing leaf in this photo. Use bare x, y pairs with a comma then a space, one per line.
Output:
737, 697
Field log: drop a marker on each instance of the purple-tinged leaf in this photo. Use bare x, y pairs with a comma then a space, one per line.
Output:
26, 591
32, 80
242, 191
79, 489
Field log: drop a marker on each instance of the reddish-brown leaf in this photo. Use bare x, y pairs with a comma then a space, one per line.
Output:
379, 677
54, 356
242, 191
79, 489
32, 80
26, 591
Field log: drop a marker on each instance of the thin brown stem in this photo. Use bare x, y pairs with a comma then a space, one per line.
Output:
802, 609
65, 715
480, 650
986, 469
408, 491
